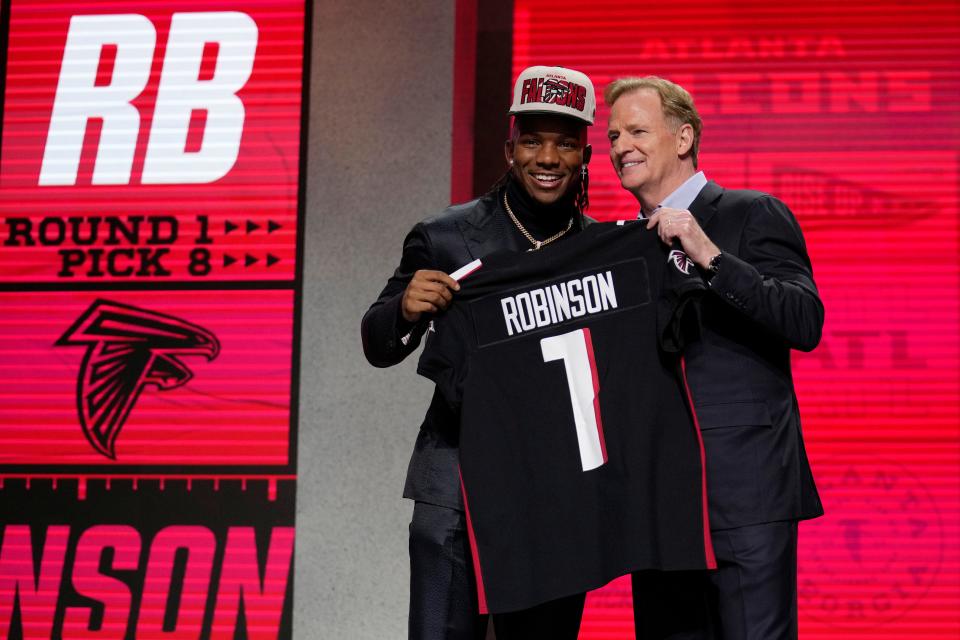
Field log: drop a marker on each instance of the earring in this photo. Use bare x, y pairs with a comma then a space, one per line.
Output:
511, 162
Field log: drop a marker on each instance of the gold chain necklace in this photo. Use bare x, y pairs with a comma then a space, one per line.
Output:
526, 234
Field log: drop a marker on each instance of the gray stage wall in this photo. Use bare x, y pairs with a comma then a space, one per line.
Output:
378, 161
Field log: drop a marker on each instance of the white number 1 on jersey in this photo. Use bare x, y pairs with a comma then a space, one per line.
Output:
576, 351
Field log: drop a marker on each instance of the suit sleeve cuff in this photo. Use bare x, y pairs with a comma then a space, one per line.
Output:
733, 280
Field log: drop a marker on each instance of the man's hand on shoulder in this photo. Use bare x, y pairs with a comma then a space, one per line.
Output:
428, 292
680, 224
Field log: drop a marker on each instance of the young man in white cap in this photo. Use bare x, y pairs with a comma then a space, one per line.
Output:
539, 200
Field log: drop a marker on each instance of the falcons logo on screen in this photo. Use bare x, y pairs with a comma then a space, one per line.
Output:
681, 261
127, 349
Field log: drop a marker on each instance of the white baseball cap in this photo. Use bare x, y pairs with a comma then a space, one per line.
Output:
554, 90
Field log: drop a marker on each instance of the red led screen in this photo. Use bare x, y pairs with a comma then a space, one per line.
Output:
149, 141
846, 111
149, 214
234, 409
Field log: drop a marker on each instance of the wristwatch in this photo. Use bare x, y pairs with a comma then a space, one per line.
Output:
713, 267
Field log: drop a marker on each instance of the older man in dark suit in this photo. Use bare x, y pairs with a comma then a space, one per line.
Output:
762, 303
540, 200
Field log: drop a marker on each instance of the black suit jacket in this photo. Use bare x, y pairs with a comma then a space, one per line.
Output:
762, 303
459, 235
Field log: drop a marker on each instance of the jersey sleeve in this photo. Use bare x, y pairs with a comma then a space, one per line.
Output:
445, 357
678, 313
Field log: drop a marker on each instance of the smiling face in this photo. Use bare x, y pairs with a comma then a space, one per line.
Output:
547, 153
649, 153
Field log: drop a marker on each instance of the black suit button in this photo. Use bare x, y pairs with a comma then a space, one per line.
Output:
391, 344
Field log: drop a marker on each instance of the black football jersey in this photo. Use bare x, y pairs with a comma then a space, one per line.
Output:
580, 458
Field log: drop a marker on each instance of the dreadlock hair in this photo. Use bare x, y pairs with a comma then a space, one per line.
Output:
501, 182
582, 200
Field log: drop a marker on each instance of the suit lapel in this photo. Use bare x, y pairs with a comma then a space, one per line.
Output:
704, 207
479, 232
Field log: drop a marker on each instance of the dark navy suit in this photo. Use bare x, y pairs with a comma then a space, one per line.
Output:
761, 304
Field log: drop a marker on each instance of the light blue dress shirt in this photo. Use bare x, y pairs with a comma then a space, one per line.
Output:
684, 195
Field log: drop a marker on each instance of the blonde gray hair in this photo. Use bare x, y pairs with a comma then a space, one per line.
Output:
676, 103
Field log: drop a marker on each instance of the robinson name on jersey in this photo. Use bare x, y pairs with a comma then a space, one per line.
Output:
552, 304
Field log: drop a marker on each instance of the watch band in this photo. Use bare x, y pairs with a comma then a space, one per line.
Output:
713, 267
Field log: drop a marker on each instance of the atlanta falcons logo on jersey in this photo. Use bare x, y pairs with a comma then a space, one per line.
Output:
681, 261
127, 349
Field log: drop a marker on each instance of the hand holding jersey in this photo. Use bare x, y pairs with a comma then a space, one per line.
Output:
680, 225
429, 291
